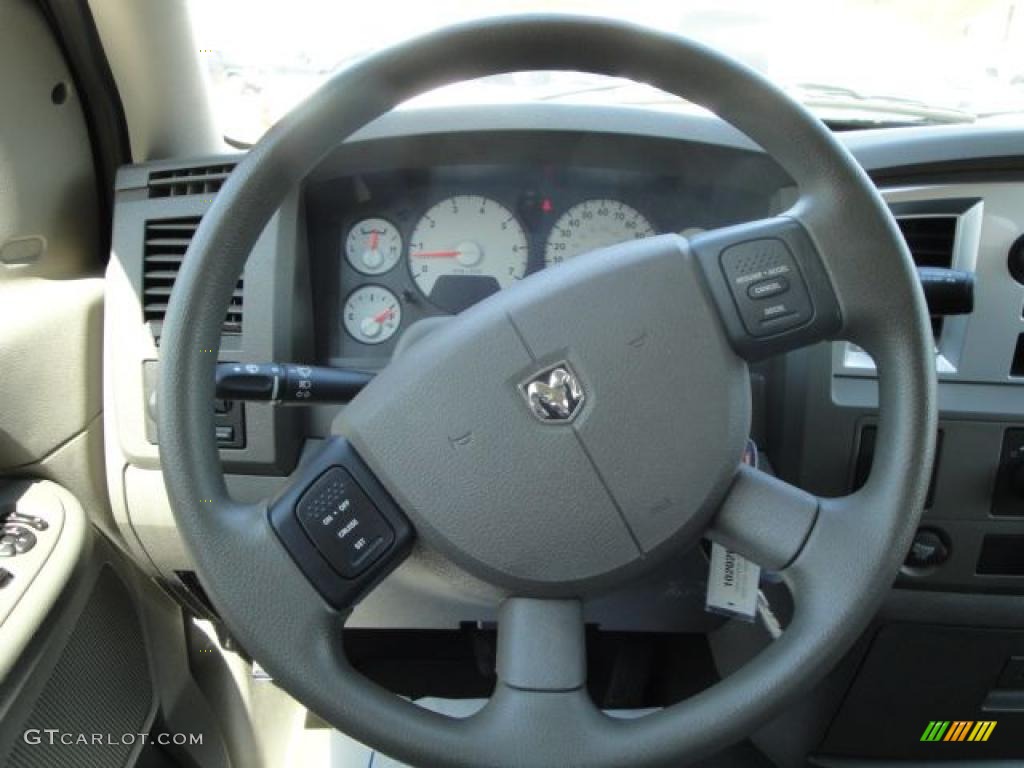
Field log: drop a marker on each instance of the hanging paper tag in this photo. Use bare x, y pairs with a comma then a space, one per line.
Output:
259, 674
732, 584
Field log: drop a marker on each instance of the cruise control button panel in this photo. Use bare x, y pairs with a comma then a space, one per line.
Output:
343, 523
770, 286
340, 525
767, 286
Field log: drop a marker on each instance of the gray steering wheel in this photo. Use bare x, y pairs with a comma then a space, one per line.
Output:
573, 442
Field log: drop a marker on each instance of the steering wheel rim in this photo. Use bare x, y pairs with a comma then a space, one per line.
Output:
838, 556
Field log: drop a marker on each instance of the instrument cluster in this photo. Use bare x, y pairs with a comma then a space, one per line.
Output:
466, 247
392, 248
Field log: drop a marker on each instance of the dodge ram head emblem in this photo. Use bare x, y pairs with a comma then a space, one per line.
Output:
554, 395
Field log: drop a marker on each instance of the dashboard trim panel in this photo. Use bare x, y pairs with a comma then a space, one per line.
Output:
806, 390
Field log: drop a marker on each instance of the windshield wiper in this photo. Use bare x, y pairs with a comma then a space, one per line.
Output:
583, 90
864, 109
887, 107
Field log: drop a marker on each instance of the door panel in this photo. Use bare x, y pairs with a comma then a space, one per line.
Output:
90, 647
50, 390
93, 650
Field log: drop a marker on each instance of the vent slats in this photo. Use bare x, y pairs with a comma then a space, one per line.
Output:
169, 242
158, 290
164, 247
930, 239
180, 182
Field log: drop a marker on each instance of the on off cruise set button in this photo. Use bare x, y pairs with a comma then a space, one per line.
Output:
343, 524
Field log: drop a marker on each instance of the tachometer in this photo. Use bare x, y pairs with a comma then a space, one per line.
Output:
466, 248
594, 224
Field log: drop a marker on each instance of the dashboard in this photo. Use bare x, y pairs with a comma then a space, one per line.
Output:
427, 212
389, 248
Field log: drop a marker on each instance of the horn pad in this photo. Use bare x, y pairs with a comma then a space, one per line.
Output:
570, 431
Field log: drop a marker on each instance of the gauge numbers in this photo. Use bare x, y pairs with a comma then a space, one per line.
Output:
594, 224
372, 314
465, 248
373, 246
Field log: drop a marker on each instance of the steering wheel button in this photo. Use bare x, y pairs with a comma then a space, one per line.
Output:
765, 289
777, 312
343, 524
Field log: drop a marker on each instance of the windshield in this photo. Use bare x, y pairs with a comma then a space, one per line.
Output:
853, 62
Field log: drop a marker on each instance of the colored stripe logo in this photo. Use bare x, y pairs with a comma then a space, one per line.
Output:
958, 730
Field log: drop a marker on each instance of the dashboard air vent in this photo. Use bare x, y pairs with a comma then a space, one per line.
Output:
177, 182
929, 238
166, 241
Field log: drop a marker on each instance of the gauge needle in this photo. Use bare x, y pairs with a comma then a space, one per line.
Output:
436, 255
385, 315
374, 239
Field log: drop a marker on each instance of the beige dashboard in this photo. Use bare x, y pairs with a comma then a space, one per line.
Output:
280, 316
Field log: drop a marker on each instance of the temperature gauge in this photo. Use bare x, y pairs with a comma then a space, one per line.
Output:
373, 246
372, 314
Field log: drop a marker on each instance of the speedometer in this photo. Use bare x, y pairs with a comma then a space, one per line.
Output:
594, 224
465, 248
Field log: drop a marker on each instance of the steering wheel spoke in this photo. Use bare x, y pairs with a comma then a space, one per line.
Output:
765, 519
339, 525
542, 673
541, 645
770, 285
